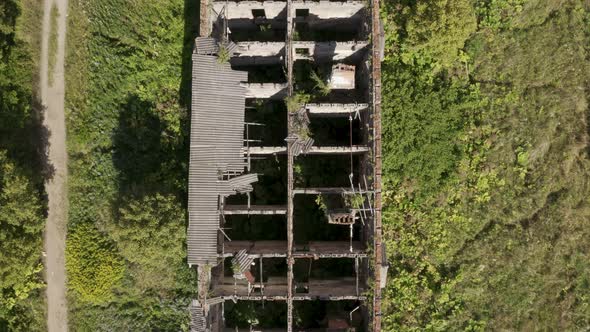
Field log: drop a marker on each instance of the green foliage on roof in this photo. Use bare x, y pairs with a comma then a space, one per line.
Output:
223, 55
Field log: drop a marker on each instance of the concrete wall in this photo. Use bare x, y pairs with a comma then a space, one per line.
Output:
328, 51
328, 9
257, 60
248, 49
318, 51
266, 90
276, 9
320, 109
243, 9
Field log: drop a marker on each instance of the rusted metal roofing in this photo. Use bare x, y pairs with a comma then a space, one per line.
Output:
217, 140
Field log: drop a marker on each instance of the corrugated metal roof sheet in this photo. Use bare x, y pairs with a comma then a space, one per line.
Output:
206, 45
232, 48
243, 183
217, 140
210, 46
302, 146
197, 323
241, 262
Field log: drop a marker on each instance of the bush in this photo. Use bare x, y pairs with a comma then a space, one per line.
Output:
94, 268
150, 234
22, 224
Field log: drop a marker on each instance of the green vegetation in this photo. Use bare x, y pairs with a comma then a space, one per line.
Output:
148, 237
321, 203
52, 50
296, 101
22, 169
308, 78
127, 89
320, 85
94, 268
485, 139
242, 314
354, 201
223, 55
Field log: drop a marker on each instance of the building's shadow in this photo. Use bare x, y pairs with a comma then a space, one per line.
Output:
147, 158
191, 31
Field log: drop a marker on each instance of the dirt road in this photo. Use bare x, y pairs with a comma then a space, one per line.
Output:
52, 96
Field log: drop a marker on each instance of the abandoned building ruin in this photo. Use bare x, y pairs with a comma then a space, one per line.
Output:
285, 166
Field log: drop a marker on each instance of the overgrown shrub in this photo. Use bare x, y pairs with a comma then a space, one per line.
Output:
150, 235
94, 268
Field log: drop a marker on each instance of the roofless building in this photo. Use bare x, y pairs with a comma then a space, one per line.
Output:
285, 166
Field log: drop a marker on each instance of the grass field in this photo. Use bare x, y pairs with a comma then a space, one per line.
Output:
486, 165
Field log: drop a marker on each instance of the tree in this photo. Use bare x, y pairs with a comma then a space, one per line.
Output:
437, 30
21, 222
150, 233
